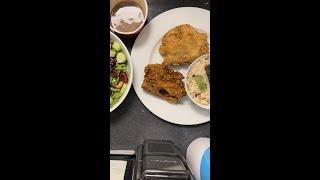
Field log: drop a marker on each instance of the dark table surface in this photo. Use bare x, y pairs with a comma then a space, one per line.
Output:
131, 123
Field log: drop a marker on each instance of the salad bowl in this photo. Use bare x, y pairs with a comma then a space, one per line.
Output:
121, 71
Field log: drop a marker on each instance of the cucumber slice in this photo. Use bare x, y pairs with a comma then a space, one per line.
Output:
116, 46
112, 53
121, 57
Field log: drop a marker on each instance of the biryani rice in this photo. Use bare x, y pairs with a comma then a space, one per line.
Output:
198, 68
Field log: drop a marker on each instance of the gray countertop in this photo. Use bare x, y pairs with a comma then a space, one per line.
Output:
132, 123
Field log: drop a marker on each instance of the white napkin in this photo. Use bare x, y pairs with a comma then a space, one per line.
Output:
117, 169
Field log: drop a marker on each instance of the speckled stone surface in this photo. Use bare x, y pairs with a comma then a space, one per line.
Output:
131, 123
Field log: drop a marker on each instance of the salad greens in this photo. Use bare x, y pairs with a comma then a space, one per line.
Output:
118, 73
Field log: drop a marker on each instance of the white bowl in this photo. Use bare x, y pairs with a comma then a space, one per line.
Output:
113, 37
186, 84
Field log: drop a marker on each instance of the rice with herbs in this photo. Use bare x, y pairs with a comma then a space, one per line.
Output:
198, 69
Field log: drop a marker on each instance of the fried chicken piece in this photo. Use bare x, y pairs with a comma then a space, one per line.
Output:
183, 44
162, 81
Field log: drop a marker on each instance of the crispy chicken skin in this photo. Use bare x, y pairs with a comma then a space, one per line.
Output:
162, 81
183, 44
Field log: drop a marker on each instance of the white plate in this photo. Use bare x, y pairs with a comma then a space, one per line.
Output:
146, 51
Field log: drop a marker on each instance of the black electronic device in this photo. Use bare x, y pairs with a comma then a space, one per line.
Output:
158, 159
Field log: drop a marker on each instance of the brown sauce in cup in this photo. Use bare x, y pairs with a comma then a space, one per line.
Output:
126, 16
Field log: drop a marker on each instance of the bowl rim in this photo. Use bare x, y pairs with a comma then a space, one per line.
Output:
123, 46
186, 84
139, 28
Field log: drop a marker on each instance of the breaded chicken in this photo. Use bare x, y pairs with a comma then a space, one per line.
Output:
162, 81
183, 44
